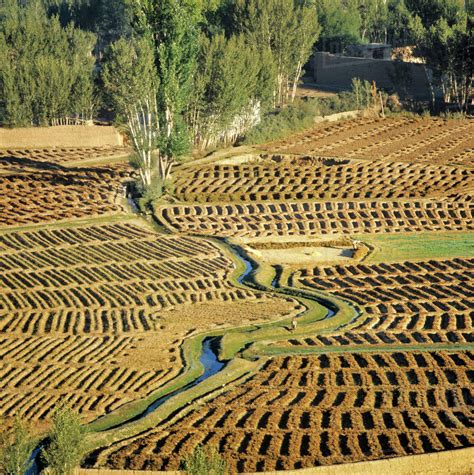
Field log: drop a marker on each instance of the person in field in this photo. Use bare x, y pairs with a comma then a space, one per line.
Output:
294, 324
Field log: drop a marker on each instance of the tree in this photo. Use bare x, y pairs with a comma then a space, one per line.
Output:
46, 71
64, 451
225, 94
204, 461
16, 447
398, 20
446, 47
173, 27
374, 16
131, 84
340, 24
288, 29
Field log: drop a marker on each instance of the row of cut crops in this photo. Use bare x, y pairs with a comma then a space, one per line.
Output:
307, 411
89, 313
17, 159
47, 196
313, 218
322, 179
409, 303
415, 140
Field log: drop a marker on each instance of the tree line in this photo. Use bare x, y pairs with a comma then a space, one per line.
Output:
183, 73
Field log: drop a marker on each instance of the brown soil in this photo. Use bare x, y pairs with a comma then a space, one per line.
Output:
96, 314
410, 303
307, 411
315, 219
415, 140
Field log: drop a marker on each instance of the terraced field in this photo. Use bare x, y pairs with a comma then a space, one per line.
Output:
395, 139
353, 177
288, 179
320, 410
394, 380
320, 218
89, 312
17, 159
410, 303
48, 196
107, 311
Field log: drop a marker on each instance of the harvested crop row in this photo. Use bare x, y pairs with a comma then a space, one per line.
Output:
44, 196
96, 314
421, 140
312, 218
410, 303
17, 159
321, 180
94, 374
118, 284
320, 410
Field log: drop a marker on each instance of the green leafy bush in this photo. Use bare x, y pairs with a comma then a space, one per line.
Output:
204, 461
16, 447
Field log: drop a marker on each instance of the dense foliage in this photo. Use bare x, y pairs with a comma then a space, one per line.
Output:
64, 451
46, 70
16, 446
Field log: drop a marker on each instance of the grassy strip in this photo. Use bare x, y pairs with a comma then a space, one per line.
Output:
193, 368
236, 369
312, 319
419, 246
276, 350
234, 340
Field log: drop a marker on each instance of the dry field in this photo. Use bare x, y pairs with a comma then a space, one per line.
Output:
95, 312
321, 179
353, 177
437, 141
320, 218
409, 303
48, 196
320, 410
17, 159
90, 313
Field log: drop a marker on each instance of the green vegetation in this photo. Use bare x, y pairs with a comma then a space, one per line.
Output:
204, 461
16, 446
64, 450
46, 70
297, 117
391, 248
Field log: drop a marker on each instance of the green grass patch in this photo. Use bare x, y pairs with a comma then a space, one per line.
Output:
419, 246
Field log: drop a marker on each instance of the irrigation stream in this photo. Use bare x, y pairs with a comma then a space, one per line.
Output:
209, 357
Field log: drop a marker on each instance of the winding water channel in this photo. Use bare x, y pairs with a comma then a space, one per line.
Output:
209, 356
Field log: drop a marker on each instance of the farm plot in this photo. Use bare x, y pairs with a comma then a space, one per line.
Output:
408, 303
321, 179
415, 140
108, 296
320, 410
313, 218
46, 196
17, 159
